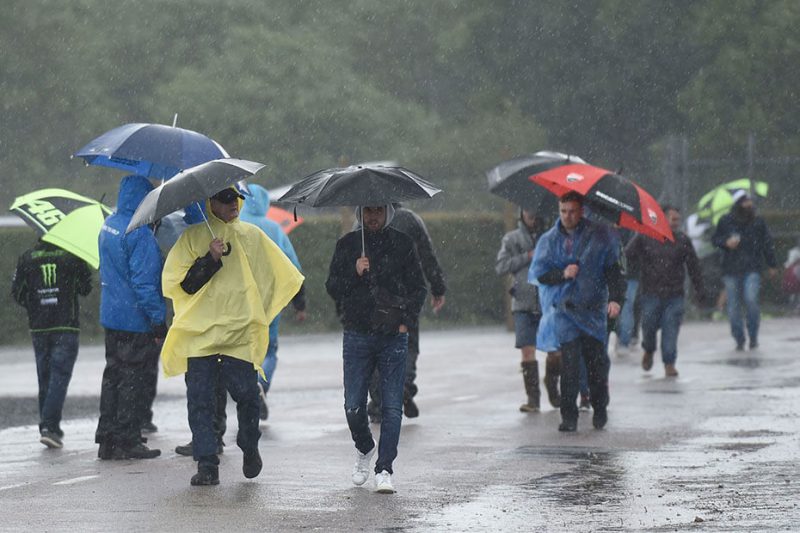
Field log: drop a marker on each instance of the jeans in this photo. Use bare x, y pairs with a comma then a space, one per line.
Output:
362, 354
125, 390
627, 321
55, 353
665, 314
592, 351
239, 378
271, 359
410, 388
743, 289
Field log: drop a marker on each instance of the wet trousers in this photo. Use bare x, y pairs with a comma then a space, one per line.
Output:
593, 352
55, 353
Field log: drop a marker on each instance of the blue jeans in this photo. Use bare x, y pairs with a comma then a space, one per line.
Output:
271, 359
55, 353
239, 378
626, 316
743, 289
665, 314
362, 354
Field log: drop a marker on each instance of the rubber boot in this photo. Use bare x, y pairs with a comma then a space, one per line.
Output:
530, 377
552, 373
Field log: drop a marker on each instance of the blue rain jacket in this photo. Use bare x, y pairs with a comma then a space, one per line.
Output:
255, 212
130, 266
577, 306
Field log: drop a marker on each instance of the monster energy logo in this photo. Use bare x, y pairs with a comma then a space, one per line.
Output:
49, 274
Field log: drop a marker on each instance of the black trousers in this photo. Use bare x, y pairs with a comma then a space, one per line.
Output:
126, 391
594, 354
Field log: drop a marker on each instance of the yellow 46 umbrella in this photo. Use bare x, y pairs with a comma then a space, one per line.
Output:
68, 220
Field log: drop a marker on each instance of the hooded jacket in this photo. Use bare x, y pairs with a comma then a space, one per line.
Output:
394, 267
130, 266
513, 258
578, 306
411, 224
755, 246
255, 209
230, 311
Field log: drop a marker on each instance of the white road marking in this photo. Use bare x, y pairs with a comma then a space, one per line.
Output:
12, 486
75, 480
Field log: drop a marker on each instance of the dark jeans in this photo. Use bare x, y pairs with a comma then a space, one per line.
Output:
221, 402
362, 354
241, 381
593, 353
55, 353
126, 388
665, 314
410, 388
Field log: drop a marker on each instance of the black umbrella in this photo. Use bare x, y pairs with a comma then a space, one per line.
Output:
509, 180
189, 186
359, 185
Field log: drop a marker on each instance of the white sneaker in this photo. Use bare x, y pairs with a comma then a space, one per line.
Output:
361, 468
383, 483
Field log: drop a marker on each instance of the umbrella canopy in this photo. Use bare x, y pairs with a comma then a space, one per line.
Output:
359, 185
151, 150
719, 200
189, 186
609, 195
68, 220
509, 180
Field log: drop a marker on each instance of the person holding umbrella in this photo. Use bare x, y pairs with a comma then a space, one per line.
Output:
376, 280
133, 313
226, 288
47, 282
577, 266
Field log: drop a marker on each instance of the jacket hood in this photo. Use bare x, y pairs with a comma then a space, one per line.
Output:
257, 204
132, 191
389, 216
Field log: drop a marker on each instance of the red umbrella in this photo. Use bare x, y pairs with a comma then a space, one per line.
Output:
609, 195
284, 218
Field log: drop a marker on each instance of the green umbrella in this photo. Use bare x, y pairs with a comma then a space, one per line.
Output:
68, 220
719, 200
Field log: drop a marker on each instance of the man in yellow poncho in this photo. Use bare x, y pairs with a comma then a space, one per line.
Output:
225, 294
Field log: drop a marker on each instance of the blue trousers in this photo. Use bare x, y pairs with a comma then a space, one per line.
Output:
627, 320
665, 314
271, 359
240, 379
55, 354
743, 289
362, 354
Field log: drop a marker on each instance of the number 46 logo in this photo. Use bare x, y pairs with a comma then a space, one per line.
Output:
44, 211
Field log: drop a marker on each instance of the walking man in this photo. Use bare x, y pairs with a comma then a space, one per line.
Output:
662, 288
514, 258
47, 283
379, 293
408, 222
577, 265
132, 311
746, 246
225, 293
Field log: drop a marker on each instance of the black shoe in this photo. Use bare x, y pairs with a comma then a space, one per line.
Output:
206, 475
50, 439
599, 419
740, 346
585, 404
410, 408
251, 464
753, 345
186, 449
566, 425
137, 451
149, 427
263, 410
105, 452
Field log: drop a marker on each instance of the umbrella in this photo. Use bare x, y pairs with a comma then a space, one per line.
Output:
609, 195
151, 150
191, 185
359, 185
509, 179
719, 200
283, 218
68, 220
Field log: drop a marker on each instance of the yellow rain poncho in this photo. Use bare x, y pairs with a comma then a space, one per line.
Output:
231, 313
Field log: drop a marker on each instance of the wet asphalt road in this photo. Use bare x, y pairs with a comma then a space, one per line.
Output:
717, 449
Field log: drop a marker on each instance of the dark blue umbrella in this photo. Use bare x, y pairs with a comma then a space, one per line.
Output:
151, 150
